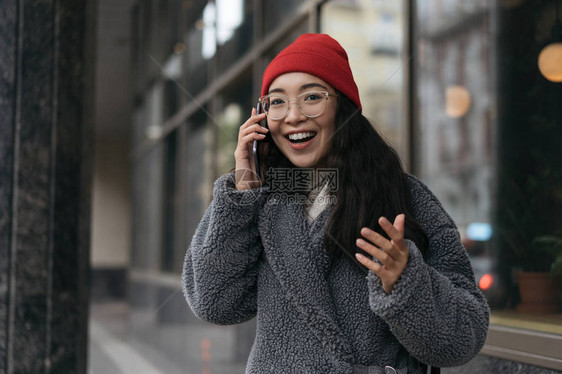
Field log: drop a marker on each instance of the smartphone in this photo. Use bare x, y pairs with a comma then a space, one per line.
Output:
256, 146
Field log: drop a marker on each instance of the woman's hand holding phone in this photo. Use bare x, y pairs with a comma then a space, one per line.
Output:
245, 173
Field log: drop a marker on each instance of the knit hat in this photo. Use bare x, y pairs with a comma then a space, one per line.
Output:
319, 55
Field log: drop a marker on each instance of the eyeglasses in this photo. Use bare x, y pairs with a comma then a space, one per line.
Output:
311, 104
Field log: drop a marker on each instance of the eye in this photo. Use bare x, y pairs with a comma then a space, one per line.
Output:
313, 96
273, 101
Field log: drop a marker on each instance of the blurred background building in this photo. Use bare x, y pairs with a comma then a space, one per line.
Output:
454, 85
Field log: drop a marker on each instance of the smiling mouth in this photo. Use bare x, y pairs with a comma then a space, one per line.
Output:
301, 137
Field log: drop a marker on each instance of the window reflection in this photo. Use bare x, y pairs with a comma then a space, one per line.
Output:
235, 30
490, 161
197, 65
235, 105
372, 34
183, 48
208, 26
229, 17
195, 172
456, 136
276, 12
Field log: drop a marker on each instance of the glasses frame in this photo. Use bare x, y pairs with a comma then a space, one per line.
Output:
325, 93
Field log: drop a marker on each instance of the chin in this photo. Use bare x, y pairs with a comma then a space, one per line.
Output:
305, 164
301, 165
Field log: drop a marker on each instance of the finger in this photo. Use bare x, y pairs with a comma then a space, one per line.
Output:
254, 135
247, 139
376, 238
389, 247
256, 128
250, 131
368, 263
399, 222
380, 241
393, 232
254, 118
244, 146
259, 117
377, 253
250, 127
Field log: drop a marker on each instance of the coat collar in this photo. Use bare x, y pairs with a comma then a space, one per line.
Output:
296, 252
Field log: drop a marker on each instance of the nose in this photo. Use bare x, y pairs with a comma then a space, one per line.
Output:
294, 114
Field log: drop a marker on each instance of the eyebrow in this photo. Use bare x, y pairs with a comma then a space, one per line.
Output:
302, 88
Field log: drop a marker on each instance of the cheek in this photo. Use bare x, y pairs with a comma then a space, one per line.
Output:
275, 132
329, 127
329, 123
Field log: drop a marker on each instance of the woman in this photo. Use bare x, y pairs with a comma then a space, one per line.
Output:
300, 265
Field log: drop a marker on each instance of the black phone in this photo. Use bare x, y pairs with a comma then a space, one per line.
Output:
256, 145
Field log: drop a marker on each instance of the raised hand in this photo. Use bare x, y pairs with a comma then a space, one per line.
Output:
245, 173
392, 254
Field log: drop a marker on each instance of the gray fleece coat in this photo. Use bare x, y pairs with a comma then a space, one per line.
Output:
256, 255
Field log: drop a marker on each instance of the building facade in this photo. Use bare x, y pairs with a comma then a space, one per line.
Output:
117, 116
437, 77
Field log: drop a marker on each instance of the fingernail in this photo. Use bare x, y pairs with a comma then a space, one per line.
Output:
359, 256
360, 242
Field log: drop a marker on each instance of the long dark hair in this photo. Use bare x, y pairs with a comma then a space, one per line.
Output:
371, 182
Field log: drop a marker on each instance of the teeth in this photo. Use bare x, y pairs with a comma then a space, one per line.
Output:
301, 135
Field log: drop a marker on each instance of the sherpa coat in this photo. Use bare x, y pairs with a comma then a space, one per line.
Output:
253, 255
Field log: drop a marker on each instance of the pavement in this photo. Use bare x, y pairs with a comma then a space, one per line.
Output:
125, 341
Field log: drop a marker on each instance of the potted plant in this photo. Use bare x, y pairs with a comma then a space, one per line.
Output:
529, 233
539, 279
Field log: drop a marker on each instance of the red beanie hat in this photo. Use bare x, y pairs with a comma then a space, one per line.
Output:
319, 55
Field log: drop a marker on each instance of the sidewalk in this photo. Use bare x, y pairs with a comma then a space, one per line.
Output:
123, 341
112, 350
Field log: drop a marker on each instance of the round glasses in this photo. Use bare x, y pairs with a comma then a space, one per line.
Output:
311, 104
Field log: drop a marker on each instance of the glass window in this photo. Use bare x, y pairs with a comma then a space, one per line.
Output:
455, 134
233, 109
493, 163
275, 12
147, 220
140, 28
170, 200
455, 105
529, 202
200, 45
196, 156
235, 30
150, 127
290, 37
372, 34
197, 76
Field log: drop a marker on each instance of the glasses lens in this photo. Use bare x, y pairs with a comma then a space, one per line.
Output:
276, 106
312, 104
